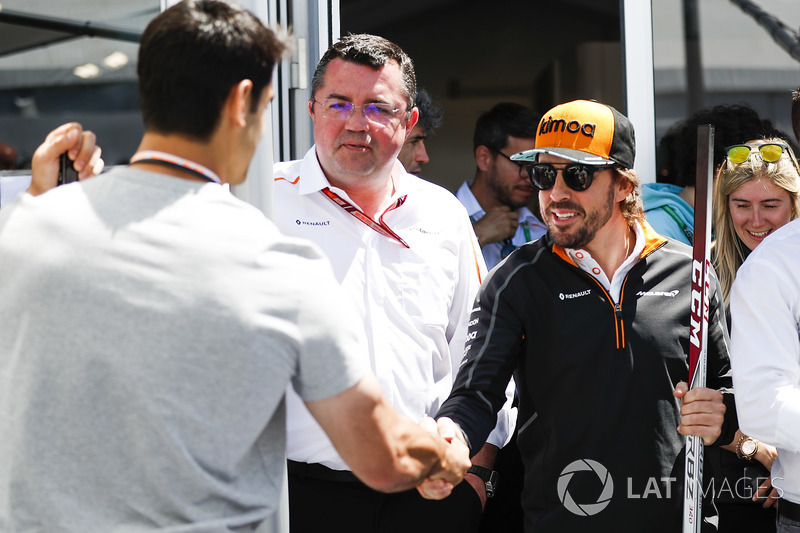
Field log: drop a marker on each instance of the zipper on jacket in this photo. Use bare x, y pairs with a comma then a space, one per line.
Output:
619, 326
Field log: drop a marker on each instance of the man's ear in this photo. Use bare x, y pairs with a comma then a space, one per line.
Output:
483, 157
624, 186
240, 102
412, 121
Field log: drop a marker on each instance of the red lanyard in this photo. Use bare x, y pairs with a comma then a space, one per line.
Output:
380, 226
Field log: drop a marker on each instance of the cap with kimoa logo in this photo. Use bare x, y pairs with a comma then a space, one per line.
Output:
586, 132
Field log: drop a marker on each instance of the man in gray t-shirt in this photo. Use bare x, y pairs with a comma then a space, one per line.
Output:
150, 321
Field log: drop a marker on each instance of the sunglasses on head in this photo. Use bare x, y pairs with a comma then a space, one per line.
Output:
577, 176
769, 153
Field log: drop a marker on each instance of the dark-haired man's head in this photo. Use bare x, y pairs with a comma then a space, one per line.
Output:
190, 58
504, 130
414, 153
372, 51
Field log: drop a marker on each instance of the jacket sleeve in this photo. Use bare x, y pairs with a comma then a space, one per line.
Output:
472, 271
494, 340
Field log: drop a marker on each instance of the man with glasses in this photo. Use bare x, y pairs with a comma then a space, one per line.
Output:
593, 321
497, 197
404, 251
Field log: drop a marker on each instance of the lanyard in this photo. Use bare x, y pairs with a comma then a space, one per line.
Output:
526, 230
169, 160
380, 226
689, 232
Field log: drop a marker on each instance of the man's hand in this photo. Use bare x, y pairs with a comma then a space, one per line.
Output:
455, 463
81, 149
497, 224
702, 412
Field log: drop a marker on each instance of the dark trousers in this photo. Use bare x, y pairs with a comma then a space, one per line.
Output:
321, 499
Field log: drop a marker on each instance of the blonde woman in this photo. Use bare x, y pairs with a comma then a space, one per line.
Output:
757, 192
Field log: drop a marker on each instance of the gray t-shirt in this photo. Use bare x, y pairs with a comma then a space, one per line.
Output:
149, 326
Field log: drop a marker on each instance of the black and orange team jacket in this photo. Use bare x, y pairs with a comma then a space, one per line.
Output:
597, 417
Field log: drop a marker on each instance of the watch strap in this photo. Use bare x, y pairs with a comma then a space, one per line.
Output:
488, 476
480, 471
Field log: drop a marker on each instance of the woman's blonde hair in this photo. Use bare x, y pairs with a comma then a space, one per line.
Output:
783, 173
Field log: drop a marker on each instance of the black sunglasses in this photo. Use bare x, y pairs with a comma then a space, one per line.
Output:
520, 164
578, 177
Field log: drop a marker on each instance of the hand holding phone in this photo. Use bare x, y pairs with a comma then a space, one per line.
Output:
66, 172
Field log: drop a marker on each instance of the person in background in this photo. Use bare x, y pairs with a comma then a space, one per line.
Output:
496, 200
497, 197
669, 204
404, 252
150, 321
757, 192
414, 153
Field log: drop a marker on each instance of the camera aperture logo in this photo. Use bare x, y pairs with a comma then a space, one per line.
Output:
585, 508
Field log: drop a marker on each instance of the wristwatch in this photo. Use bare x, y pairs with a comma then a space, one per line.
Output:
746, 447
489, 477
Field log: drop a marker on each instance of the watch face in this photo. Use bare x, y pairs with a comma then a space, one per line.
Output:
748, 447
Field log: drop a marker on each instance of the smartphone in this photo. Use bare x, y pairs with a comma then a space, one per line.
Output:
66, 172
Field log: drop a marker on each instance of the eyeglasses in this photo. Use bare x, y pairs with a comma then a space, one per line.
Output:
769, 153
377, 112
578, 177
520, 164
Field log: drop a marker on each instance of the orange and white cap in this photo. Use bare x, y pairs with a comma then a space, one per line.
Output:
586, 132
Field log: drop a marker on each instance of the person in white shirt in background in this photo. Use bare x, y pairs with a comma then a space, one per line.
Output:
498, 195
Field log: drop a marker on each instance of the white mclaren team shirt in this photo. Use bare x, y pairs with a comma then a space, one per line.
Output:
414, 302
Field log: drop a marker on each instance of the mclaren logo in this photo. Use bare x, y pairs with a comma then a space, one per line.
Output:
670, 294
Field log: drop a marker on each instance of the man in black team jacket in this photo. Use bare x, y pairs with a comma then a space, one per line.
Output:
593, 322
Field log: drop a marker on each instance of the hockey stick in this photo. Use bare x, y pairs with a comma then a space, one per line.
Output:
698, 332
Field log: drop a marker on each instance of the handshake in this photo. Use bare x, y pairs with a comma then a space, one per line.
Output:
454, 459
